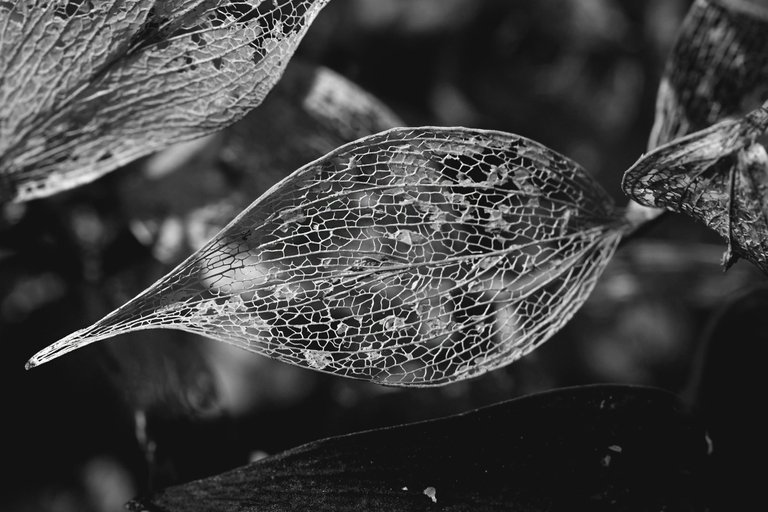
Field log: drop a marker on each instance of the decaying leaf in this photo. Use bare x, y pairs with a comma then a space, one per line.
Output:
717, 72
417, 256
89, 86
718, 175
590, 448
718, 68
186, 194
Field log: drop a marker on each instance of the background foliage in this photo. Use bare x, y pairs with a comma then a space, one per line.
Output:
579, 77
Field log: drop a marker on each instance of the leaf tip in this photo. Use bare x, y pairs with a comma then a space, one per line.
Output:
66, 344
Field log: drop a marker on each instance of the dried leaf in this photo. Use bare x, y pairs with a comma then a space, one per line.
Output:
186, 194
588, 448
719, 176
718, 71
89, 86
416, 256
718, 68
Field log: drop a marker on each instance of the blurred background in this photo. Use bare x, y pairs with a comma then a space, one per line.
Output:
155, 408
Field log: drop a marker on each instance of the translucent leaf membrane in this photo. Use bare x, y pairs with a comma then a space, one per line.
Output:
718, 68
418, 256
719, 176
89, 86
184, 195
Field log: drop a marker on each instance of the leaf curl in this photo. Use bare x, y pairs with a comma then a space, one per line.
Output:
717, 73
89, 86
418, 256
719, 176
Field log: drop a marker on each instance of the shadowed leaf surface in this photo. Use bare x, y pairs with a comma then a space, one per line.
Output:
90, 86
727, 389
417, 256
590, 448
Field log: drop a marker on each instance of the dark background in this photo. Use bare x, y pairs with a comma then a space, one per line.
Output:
578, 76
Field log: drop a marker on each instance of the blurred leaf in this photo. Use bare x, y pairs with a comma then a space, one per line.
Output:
186, 194
89, 86
719, 176
589, 448
718, 68
409, 17
418, 256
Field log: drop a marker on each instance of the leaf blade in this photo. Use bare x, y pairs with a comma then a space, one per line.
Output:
172, 75
717, 73
310, 112
717, 176
576, 449
417, 256
718, 69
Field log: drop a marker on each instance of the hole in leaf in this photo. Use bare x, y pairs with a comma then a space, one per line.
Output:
198, 39
71, 8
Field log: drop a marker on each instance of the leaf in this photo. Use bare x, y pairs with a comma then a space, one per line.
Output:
343, 109
587, 448
719, 176
418, 256
184, 195
718, 68
89, 86
718, 71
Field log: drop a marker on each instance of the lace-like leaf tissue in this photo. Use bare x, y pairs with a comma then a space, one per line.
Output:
718, 72
189, 192
718, 176
718, 69
87, 86
417, 256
